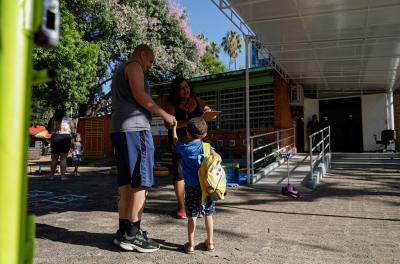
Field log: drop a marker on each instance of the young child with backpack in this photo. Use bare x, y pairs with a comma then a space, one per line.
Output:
192, 151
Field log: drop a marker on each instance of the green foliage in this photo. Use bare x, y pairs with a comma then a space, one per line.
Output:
119, 26
213, 48
74, 62
97, 35
212, 64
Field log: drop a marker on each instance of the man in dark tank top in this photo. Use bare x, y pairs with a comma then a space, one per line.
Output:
132, 107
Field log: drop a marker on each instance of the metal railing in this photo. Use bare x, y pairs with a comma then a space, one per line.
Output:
324, 140
277, 143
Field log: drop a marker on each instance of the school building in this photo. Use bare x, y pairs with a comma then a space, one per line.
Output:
275, 105
269, 110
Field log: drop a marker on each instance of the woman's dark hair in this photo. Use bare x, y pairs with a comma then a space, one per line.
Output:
59, 114
173, 96
55, 122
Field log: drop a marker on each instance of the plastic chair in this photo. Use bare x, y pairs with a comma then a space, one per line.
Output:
388, 137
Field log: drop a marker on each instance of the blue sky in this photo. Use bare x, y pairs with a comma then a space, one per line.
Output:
204, 17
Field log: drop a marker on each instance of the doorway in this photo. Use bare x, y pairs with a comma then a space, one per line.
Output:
344, 117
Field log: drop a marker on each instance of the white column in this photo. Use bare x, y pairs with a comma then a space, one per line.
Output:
246, 44
389, 109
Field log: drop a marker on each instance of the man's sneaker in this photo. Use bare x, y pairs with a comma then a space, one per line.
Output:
119, 236
140, 242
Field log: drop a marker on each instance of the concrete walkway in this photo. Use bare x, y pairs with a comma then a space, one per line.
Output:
352, 217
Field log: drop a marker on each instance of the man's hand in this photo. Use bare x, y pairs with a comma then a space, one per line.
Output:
169, 120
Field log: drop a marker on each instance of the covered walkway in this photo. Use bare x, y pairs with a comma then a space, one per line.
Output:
340, 58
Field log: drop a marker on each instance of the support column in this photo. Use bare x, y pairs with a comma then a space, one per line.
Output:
247, 96
389, 109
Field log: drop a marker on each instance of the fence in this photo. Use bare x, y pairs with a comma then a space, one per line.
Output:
323, 137
262, 155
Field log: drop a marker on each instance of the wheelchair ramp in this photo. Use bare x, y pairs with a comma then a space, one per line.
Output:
365, 160
299, 167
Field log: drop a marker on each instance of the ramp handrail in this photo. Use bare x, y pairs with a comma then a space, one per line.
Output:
276, 142
322, 141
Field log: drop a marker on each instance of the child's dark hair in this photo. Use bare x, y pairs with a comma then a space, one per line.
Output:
197, 127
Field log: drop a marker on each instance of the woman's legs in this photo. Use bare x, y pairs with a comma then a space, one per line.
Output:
53, 166
179, 187
63, 163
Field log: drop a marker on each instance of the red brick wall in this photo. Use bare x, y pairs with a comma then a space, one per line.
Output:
283, 117
396, 105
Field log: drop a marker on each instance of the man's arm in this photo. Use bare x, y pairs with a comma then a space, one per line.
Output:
171, 110
134, 74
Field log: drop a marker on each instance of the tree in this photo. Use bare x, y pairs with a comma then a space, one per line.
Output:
232, 45
74, 62
213, 48
211, 64
97, 35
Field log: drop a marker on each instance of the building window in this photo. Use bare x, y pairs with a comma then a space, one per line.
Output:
232, 104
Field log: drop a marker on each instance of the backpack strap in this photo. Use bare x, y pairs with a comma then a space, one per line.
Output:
206, 149
206, 152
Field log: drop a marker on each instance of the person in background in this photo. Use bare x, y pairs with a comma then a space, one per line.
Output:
77, 152
312, 127
183, 105
61, 128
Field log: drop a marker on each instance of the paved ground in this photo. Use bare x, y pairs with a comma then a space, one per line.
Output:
353, 217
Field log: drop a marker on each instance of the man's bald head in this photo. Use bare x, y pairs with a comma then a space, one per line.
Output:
145, 55
142, 48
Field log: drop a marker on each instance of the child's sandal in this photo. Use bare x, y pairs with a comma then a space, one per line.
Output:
209, 247
188, 249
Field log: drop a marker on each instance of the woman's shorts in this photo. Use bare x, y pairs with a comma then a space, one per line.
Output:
177, 174
60, 143
193, 205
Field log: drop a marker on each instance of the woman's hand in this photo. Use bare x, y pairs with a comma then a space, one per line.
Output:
206, 109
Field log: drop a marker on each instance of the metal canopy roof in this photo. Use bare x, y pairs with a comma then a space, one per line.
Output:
329, 46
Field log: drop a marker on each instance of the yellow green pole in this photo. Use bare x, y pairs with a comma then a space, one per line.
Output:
16, 42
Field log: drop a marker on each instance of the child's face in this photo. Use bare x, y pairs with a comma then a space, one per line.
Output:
78, 138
